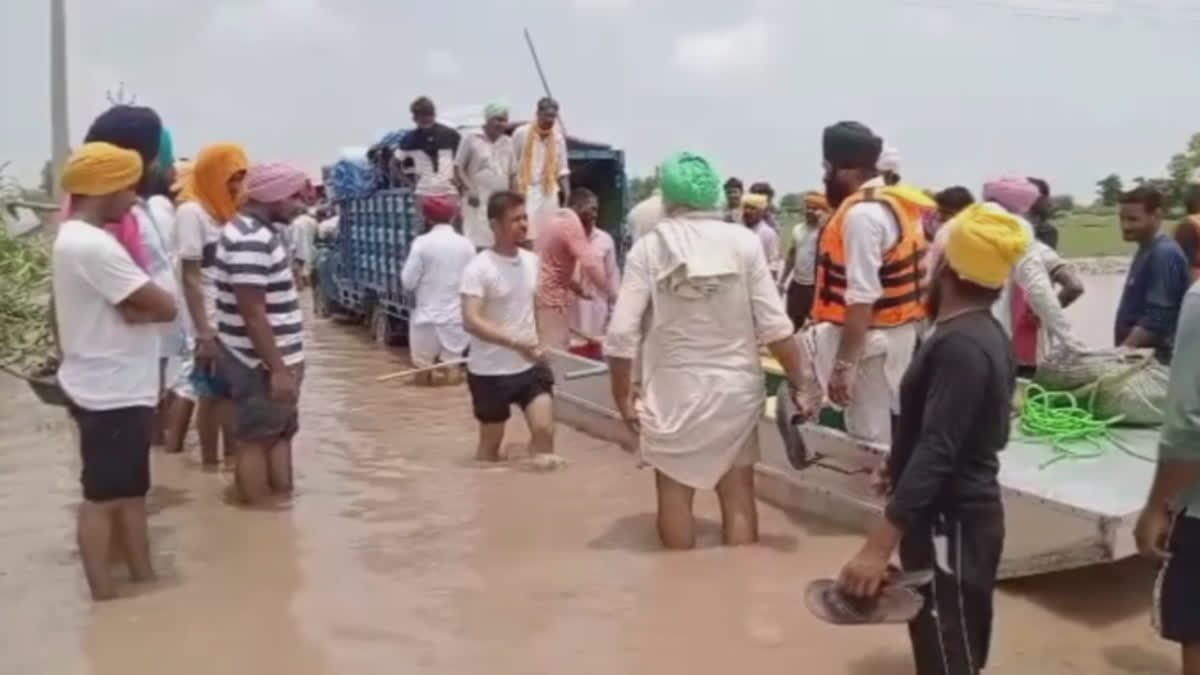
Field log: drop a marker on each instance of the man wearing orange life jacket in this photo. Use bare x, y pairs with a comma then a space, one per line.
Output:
868, 305
1187, 233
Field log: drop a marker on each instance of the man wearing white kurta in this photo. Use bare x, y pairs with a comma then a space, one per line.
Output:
542, 173
484, 166
433, 271
714, 303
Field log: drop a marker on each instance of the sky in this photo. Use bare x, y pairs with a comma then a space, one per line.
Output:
1070, 90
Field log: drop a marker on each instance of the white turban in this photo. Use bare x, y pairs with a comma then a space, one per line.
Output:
889, 159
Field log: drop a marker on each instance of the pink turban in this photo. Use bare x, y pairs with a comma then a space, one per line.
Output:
274, 182
1014, 193
439, 209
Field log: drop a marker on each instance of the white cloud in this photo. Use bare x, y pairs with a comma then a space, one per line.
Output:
741, 49
603, 4
313, 21
442, 64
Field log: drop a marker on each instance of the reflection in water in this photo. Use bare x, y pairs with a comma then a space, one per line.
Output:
401, 556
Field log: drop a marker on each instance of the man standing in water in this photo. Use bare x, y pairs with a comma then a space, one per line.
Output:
259, 327
562, 247
696, 303
592, 306
1157, 279
1169, 527
209, 198
483, 166
108, 315
944, 510
433, 271
507, 364
542, 174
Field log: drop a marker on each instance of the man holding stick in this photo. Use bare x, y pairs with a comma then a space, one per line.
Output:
507, 363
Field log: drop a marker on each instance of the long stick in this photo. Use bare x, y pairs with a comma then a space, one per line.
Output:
537, 63
417, 371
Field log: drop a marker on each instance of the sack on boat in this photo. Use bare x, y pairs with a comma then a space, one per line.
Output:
1111, 382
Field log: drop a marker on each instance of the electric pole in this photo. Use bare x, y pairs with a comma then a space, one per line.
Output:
60, 142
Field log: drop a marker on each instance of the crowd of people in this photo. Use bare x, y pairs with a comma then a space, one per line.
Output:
176, 285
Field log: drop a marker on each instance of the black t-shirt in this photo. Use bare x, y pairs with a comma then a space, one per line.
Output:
955, 411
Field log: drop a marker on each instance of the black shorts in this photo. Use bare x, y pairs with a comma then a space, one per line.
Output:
115, 448
493, 395
256, 416
1177, 591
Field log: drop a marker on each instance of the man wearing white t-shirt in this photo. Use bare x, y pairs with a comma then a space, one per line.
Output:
108, 316
506, 365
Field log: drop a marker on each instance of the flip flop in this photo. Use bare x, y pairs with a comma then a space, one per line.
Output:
787, 422
898, 601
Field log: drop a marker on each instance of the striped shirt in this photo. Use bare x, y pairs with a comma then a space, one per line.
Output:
252, 253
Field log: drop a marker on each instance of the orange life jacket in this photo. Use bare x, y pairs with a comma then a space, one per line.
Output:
902, 270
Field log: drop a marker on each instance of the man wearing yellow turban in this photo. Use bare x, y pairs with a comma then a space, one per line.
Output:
943, 498
108, 316
754, 216
800, 263
209, 195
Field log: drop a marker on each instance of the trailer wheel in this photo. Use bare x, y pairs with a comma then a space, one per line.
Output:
383, 327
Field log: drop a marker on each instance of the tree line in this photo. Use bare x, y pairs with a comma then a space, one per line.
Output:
1180, 171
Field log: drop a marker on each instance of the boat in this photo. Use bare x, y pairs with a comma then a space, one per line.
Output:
1060, 515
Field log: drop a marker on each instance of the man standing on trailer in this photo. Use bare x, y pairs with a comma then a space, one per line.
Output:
483, 166
542, 173
433, 271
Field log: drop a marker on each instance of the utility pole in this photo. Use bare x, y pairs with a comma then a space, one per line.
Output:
60, 142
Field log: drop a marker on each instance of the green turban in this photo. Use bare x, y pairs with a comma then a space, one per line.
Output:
689, 180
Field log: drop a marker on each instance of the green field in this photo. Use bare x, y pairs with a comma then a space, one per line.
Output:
1081, 234
1087, 235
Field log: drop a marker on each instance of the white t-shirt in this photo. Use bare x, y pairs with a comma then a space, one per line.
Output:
156, 224
198, 235
804, 241
107, 362
507, 286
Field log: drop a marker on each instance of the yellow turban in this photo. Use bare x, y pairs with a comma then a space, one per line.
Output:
97, 169
984, 243
816, 200
754, 200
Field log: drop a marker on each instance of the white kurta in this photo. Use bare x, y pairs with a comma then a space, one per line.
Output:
539, 203
590, 317
487, 166
714, 303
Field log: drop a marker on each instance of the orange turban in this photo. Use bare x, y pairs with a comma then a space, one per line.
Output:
816, 200
209, 180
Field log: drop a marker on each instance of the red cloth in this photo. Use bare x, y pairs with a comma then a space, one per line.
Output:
439, 209
126, 231
1024, 329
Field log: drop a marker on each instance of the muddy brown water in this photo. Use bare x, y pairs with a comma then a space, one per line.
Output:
401, 556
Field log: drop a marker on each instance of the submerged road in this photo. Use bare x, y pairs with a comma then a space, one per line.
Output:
400, 555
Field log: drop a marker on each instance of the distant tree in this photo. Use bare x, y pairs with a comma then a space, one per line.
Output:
792, 202
640, 188
1109, 189
1060, 204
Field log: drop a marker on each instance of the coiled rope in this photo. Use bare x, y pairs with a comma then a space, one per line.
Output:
1057, 419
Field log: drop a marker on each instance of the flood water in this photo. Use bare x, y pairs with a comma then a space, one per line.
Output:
401, 556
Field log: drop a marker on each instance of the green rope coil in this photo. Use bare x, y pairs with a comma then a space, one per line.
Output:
1072, 431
